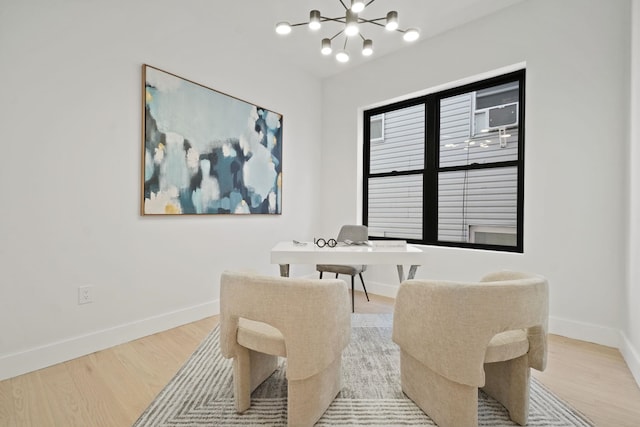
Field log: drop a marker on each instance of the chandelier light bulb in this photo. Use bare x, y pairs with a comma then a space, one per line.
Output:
367, 47
326, 47
351, 30
342, 56
314, 20
411, 35
351, 26
392, 21
357, 6
283, 28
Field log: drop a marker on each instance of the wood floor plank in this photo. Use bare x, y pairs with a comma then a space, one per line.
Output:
131, 392
30, 401
65, 402
7, 412
103, 406
201, 328
145, 363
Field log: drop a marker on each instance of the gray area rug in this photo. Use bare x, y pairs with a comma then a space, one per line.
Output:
201, 393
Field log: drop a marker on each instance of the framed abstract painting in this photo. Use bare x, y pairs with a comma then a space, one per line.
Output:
205, 152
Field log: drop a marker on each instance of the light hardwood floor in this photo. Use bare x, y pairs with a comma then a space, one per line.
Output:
113, 387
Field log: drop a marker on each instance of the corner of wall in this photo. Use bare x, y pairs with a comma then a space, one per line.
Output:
583, 331
631, 357
597, 334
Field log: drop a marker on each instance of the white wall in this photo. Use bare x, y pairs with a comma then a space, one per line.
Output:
70, 117
577, 61
631, 344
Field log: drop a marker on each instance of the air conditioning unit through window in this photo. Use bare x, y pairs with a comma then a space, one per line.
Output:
497, 117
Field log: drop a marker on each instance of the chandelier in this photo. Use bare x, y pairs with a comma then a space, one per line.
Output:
350, 28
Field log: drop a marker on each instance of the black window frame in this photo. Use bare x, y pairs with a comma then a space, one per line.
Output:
432, 162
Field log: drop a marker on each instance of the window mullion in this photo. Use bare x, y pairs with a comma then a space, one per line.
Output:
366, 158
479, 166
430, 186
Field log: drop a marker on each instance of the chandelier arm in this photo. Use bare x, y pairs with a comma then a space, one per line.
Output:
369, 3
322, 19
371, 21
341, 20
337, 34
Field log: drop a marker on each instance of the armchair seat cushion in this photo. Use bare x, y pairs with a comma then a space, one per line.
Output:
261, 337
507, 345
350, 270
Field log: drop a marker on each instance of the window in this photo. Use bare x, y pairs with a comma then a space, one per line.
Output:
377, 128
450, 170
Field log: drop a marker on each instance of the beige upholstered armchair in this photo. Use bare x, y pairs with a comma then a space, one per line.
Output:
456, 337
305, 320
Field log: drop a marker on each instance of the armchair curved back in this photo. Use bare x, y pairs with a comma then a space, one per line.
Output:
447, 325
313, 316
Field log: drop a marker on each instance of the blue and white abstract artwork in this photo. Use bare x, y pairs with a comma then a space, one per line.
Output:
206, 152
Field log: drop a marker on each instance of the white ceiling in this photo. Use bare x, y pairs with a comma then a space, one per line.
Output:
255, 21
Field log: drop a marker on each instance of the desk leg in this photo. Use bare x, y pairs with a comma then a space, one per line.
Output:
284, 270
412, 272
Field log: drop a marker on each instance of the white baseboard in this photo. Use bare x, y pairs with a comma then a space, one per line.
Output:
15, 364
631, 357
585, 331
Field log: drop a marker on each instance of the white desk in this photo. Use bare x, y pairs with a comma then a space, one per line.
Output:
286, 253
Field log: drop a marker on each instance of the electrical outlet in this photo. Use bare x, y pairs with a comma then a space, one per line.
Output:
85, 294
